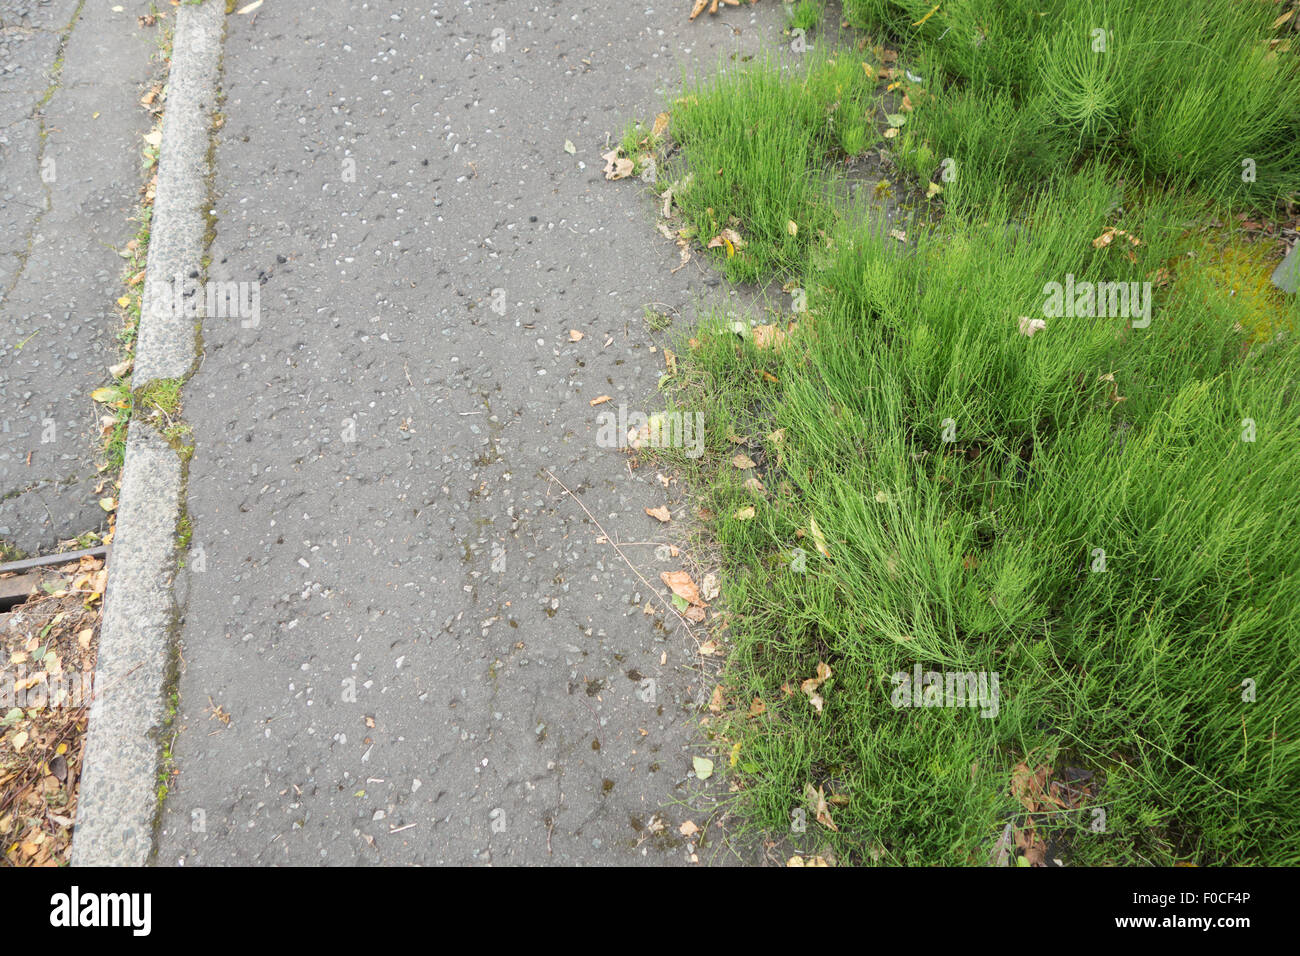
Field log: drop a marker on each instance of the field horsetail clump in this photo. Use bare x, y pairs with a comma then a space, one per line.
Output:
1010, 560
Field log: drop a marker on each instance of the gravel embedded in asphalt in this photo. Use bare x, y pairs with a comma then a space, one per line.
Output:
402, 643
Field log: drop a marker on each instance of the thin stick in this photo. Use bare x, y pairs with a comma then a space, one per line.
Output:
685, 623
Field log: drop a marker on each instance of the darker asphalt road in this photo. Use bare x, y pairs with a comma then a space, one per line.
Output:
423, 650
71, 75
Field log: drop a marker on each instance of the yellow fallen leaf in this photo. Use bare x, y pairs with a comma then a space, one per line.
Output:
818, 539
600, 401
728, 238
661, 513
933, 10
745, 514
743, 461
108, 504
575, 335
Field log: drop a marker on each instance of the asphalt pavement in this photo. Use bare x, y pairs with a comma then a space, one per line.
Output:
401, 641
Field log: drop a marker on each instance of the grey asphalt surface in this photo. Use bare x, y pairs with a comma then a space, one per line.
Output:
71, 75
424, 652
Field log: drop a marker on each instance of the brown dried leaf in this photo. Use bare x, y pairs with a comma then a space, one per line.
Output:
817, 800
681, 584
770, 336
661, 513
729, 239
617, 167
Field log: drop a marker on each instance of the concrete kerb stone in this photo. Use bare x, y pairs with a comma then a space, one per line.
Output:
118, 801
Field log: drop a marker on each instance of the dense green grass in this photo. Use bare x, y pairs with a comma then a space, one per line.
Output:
754, 147
806, 15
964, 479
1186, 91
